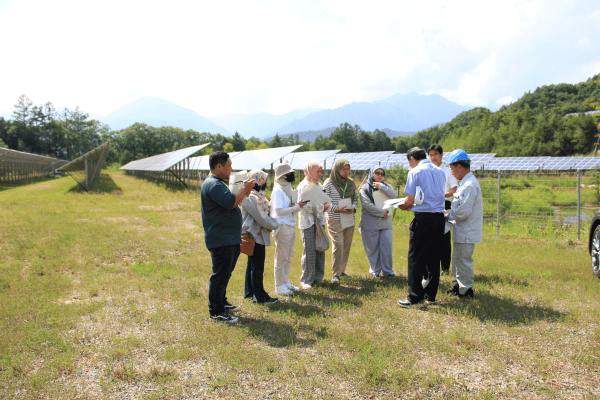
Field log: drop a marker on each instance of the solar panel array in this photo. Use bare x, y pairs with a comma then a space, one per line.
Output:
477, 159
163, 162
360, 161
261, 159
543, 163
299, 160
17, 165
86, 168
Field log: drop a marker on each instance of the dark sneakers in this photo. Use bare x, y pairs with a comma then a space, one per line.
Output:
406, 303
345, 275
230, 307
272, 300
224, 317
469, 294
453, 291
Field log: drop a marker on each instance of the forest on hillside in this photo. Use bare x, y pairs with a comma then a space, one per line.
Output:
546, 122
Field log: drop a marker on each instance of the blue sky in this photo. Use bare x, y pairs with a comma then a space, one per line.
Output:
277, 56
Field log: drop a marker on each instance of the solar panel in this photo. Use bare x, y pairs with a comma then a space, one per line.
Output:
201, 163
86, 168
330, 162
163, 162
261, 159
515, 163
364, 161
299, 160
396, 159
588, 162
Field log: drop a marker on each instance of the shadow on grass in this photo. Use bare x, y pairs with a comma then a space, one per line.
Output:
281, 334
175, 187
104, 184
13, 185
489, 308
500, 280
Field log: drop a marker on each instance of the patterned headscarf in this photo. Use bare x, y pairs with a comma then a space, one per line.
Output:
310, 172
262, 203
368, 187
345, 186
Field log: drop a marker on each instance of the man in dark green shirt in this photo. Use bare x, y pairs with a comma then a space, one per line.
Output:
222, 222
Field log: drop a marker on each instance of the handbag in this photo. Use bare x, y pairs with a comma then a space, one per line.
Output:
321, 239
247, 246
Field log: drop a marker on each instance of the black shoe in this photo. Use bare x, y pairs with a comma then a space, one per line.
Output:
345, 275
469, 294
453, 291
224, 317
389, 276
406, 303
230, 307
272, 300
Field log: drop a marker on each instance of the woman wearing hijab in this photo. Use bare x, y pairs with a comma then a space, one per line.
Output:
339, 186
376, 224
257, 221
313, 261
284, 211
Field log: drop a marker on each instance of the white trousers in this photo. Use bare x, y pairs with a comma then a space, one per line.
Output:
284, 237
463, 274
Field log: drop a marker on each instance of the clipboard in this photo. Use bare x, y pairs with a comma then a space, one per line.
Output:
346, 219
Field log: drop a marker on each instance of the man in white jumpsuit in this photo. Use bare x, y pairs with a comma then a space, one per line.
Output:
467, 213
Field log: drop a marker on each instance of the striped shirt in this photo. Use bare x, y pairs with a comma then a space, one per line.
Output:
332, 192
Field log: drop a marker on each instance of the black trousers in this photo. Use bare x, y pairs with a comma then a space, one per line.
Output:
424, 254
447, 248
224, 259
255, 271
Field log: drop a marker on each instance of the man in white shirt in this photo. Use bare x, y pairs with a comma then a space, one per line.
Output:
435, 154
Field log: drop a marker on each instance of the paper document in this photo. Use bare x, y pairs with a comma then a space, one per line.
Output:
294, 196
315, 195
395, 203
448, 226
346, 219
236, 183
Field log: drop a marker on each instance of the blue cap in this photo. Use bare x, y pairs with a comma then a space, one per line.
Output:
458, 155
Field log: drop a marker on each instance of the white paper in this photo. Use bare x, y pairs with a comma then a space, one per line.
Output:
315, 195
294, 196
448, 226
236, 183
346, 219
395, 203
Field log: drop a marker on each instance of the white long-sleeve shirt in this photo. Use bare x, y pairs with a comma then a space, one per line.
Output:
307, 216
280, 207
467, 211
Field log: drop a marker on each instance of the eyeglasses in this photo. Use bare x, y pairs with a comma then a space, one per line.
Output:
379, 173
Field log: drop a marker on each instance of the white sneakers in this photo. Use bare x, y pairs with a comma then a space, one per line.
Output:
287, 289
283, 290
305, 286
292, 287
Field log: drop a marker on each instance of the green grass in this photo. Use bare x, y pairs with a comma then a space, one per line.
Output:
104, 296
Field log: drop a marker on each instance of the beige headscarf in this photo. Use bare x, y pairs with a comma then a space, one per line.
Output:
261, 200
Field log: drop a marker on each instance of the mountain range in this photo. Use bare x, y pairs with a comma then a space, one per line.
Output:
400, 114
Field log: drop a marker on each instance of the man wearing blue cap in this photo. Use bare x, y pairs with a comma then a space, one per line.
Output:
467, 212
426, 229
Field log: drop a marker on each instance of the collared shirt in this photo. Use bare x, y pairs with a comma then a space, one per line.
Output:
450, 181
467, 211
221, 221
432, 181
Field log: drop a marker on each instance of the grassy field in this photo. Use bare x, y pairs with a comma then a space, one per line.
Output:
103, 295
